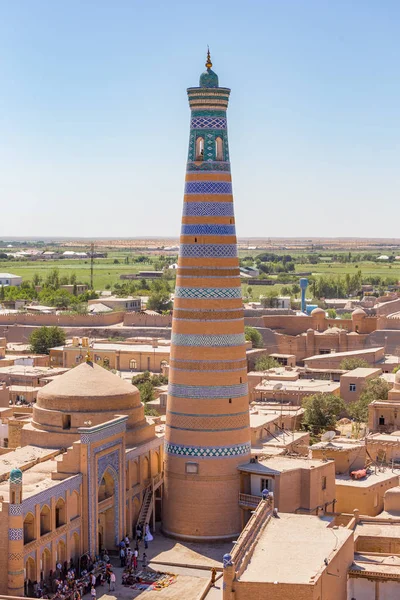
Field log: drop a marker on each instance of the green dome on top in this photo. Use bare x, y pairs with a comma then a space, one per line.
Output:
16, 476
208, 79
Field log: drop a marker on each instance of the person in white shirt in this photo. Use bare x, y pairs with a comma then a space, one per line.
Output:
113, 579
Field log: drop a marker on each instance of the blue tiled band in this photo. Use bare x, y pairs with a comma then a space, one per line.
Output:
208, 229
208, 187
208, 209
209, 166
207, 391
208, 451
208, 293
209, 250
208, 123
184, 339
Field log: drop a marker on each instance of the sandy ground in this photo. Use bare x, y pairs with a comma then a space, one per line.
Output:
184, 559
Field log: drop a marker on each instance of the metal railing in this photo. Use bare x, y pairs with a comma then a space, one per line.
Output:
249, 500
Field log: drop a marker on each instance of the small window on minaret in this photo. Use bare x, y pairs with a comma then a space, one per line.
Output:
219, 149
195, 240
200, 148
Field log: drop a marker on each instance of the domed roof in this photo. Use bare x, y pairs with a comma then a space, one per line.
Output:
16, 476
88, 387
359, 312
208, 79
317, 311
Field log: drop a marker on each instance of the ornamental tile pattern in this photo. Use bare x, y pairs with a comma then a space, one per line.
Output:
209, 365
209, 166
207, 451
227, 340
208, 293
208, 250
208, 209
104, 431
183, 315
208, 123
208, 230
15, 533
208, 187
15, 510
208, 391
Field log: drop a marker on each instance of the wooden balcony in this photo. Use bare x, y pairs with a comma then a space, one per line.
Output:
249, 501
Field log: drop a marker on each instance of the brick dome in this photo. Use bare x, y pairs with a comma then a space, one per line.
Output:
88, 387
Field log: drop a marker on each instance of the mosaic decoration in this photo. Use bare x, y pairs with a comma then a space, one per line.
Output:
15, 534
15, 510
187, 339
209, 423
208, 209
208, 230
208, 451
209, 293
208, 187
208, 250
111, 459
208, 166
15, 556
207, 391
208, 123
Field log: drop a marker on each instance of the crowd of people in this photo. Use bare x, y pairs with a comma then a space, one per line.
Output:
72, 581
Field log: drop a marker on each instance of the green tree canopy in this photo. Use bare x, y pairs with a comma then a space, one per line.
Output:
321, 411
347, 364
263, 363
44, 338
254, 336
374, 389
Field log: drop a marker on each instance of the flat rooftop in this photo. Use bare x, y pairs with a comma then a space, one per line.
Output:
369, 480
362, 372
116, 347
292, 549
21, 458
303, 385
259, 420
344, 354
378, 530
281, 464
31, 371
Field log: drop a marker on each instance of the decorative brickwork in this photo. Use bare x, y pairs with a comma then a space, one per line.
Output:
191, 508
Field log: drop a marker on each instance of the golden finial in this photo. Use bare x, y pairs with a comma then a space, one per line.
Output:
88, 357
208, 63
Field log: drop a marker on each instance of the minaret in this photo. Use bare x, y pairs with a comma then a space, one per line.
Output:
207, 431
15, 536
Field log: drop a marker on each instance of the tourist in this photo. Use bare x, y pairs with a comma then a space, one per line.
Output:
122, 557
148, 533
135, 558
144, 561
127, 542
112, 581
93, 592
93, 579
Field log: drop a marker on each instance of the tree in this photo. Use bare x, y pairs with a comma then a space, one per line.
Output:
266, 362
332, 314
254, 336
2, 293
44, 338
374, 389
321, 411
146, 391
348, 364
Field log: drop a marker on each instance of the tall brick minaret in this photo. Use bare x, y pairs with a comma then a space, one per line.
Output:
207, 433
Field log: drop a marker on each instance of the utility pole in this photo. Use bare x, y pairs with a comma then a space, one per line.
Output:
91, 264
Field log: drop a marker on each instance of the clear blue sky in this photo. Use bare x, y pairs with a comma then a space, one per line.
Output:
94, 116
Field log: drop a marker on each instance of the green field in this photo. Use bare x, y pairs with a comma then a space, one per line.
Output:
105, 271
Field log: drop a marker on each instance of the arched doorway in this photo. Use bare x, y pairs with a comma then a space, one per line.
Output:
75, 547
61, 518
29, 528
107, 528
45, 520
46, 563
30, 569
61, 553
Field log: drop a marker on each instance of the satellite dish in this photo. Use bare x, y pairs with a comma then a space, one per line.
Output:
278, 386
328, 436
